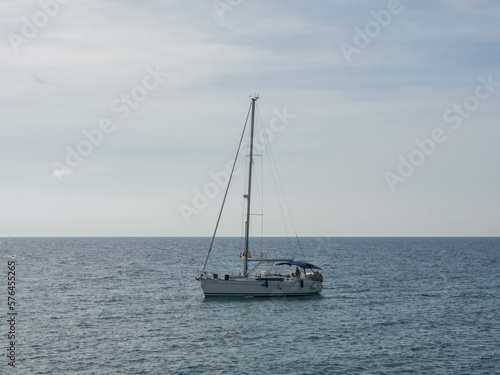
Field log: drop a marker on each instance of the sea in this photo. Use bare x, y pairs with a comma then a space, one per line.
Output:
133, 306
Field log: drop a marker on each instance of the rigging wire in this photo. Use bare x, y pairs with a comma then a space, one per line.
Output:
227, 189
278, 193
275, 172
286, 201
268, 145
261, 196
259, 183
261, 203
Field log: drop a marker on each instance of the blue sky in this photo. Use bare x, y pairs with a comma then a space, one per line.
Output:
63, 65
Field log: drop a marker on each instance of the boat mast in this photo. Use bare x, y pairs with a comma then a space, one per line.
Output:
247, 225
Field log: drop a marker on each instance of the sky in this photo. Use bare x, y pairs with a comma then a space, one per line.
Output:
119, 118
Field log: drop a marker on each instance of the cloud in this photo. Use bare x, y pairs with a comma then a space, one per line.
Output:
39, 80
352, 120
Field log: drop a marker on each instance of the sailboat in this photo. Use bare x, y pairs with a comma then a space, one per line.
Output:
264, 283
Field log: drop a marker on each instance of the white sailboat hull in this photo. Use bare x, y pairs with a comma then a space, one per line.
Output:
260, 288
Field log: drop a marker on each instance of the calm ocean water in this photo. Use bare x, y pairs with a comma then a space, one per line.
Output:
133, 306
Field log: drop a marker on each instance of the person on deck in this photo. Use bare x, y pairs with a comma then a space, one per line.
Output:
297, 272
